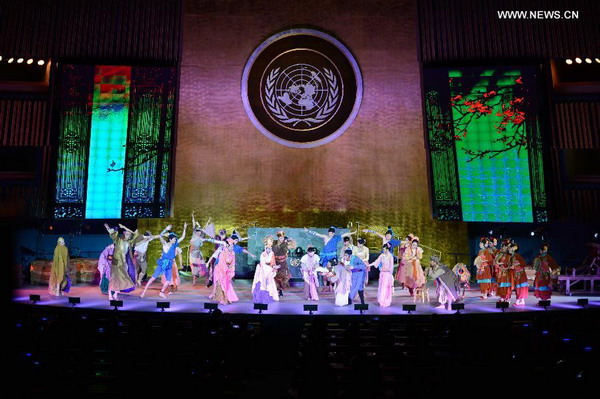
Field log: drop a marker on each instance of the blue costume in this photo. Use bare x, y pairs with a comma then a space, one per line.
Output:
165, 263
358, 275
329, 251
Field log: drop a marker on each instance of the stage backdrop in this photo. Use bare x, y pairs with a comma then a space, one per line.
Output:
375, 172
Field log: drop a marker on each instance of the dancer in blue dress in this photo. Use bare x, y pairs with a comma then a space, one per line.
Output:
165, 262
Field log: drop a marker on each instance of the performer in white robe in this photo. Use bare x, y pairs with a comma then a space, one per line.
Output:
264, 289
310, 269
343, 282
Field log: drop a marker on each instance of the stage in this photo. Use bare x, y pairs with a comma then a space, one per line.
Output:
191, 299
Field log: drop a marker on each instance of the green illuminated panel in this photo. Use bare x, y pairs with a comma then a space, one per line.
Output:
108, 139
491, 150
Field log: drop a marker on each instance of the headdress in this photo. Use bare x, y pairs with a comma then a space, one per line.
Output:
268, 241
281, 233
331, 229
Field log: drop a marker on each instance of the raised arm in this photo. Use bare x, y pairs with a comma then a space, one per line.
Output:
374, 232
314, 233
184, 229
125, 228
348, 234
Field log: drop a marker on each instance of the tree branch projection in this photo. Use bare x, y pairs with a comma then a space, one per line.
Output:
510, 105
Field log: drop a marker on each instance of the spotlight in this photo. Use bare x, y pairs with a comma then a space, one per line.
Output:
34, 298
74, 300
583, 302
491, 232
1, 58
544, 304
163, 305
260, 307
532, 233
578, 60
362, 307
597, 60
211, 306
30, 61
116, 304
588, 60
502, 305
458, 307
41, 62
569, 61
409, 307
595, 235
311, 308
20, 60
10, 60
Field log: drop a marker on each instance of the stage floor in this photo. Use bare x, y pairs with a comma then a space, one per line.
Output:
191, 299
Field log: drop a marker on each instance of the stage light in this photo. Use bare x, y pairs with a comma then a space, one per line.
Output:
544, 304
260, 307
583, 302
311, 308
163, 305
10, 60
597, 60
491, 232
34, 298
20, 60
41, 62
588, 60
578, 60
569, 61
30, 61
211, 306
116, 304
1, 58
409, 307
595, 235
74, 300
532, 233
362, 307
502, 305
458, 307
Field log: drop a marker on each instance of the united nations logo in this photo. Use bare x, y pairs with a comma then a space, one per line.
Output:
302, 88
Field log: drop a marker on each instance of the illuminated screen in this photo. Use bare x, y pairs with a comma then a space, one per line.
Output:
114, 141
485, 144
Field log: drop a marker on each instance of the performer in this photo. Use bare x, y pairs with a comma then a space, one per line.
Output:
239, 249
264, 289
414, 271
331, 241
358, 268
463, 277
493, 250
199, 236
545, 268
310, 267
346, 244
213, 259
342, 278
362, 252
401, 272
504, 272
517, 265
385, 262
387, 237
176, 280
445, 282
59, 279
223, 291
483, 263
104, 263
122, 269
140, 245
280, 249
164, 264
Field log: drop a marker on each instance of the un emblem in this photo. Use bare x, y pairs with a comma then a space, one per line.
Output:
302, 88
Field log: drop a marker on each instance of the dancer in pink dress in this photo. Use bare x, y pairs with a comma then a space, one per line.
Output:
223, 291
385, 262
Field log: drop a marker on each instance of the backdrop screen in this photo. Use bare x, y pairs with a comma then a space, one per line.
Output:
114, 143
485, 144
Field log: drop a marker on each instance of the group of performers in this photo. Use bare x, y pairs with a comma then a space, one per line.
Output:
502, 271
123, 265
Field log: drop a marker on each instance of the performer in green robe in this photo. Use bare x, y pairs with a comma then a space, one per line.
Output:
120, 277
58, 275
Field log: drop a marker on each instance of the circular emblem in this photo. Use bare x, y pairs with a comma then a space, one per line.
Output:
302, 88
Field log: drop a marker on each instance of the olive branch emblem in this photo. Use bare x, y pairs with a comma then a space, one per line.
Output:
322, 115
